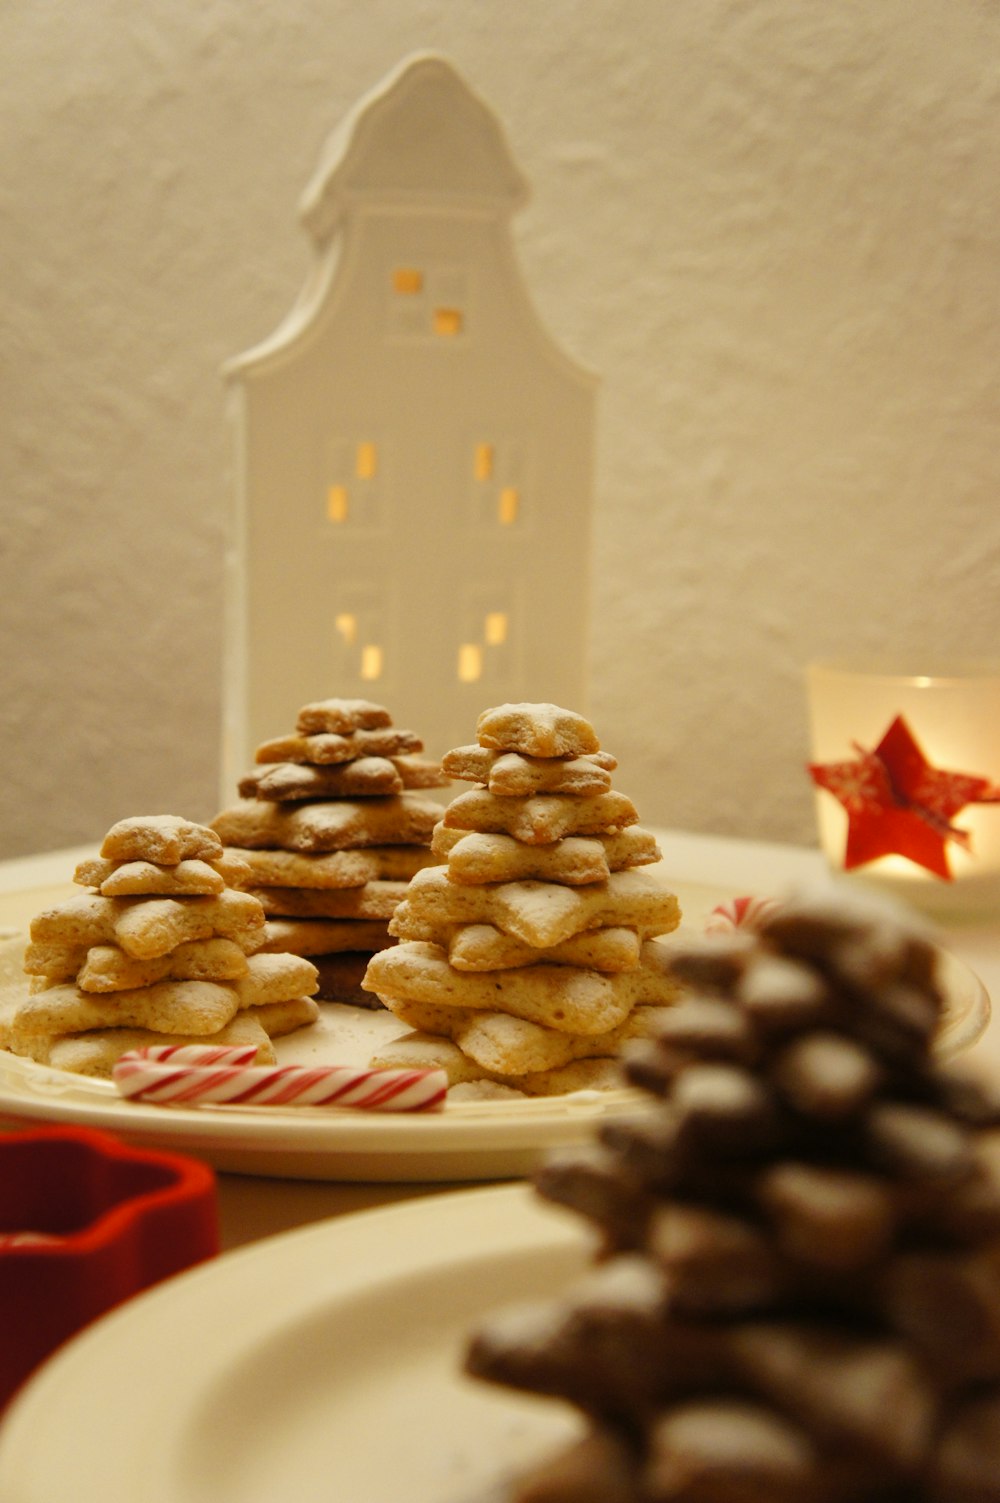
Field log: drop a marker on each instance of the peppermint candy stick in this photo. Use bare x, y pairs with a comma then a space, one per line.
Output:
739, 913
197, 1054
167, 1082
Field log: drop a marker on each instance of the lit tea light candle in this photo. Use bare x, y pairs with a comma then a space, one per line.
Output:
907, 772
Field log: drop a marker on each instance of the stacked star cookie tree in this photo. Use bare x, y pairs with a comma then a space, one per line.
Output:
528, 958
332, 827
798, 1297
161, 948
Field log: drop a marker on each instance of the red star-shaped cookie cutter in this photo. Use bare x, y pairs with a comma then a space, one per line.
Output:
898, 804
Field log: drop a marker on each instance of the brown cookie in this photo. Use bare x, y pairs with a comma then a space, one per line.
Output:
536, 730
376, 900
253, 824
568, 999
188, 878
428, 1051
327, 747
482, 947
95, 1052
149, 927
475, 856
185, 1007
333, 869
541, 818
107, 968
513, 774
504, 1045
365, 777
165, 838
541, 914
341, 716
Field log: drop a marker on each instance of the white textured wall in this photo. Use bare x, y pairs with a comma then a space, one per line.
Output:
773, 226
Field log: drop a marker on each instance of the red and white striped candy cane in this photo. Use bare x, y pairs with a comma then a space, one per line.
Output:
205, 1076
739, 913
197, 1054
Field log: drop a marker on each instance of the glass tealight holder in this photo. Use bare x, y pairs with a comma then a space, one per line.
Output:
902, 743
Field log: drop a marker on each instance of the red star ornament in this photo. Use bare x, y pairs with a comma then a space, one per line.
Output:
898, 804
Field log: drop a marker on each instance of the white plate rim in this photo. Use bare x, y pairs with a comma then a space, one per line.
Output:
468, 1140
71, 1398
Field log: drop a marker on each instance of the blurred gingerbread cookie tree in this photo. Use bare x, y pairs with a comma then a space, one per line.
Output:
798, 1295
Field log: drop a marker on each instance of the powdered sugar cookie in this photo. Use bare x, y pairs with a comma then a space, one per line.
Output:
325, 747
534, 939
155, 926
274, 978
376, 900
281, 1018
347, 868
165, 838
407, 819
537, 730
341, 716
146, 928
541, 818
364, 777
482, 947
96, 1052
165, 949
430, 1051
477, 856
188, 878
541, 914
504, 1045
569, 999
333, 823
107, 968
186, 1007
512, 773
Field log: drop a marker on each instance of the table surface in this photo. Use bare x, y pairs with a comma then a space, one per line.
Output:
251, 1208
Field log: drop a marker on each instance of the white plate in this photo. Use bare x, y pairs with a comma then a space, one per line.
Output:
322, 1366
472, 1140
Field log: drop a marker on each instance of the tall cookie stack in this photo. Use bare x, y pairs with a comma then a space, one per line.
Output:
528, 958
161, 949
799, 1293
332, 826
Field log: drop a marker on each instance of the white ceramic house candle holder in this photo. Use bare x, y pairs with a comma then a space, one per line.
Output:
415, 465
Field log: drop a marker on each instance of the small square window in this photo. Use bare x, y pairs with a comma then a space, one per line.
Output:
407, 281
447, 322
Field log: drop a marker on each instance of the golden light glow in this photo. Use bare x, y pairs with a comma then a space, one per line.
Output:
483, 462
371, 662
495, 628
337, 503
407, 281
365, 461
347, 625
507, 505
470, 662
447, 321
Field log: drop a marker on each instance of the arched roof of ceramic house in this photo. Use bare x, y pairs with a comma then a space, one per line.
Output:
400, 143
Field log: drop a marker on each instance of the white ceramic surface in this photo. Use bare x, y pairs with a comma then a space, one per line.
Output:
322, 1366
